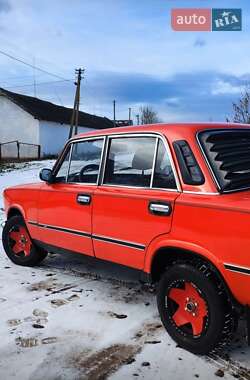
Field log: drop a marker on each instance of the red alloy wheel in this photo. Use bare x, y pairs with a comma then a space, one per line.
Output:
191, 310
22, 242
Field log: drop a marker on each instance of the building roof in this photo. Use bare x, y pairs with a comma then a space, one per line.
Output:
43, 110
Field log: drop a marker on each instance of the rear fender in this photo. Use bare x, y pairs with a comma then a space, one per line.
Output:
164, 241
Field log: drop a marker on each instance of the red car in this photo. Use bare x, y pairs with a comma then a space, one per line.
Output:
172, 201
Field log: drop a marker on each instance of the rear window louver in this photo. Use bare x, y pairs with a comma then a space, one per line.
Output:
228, 154
190, 170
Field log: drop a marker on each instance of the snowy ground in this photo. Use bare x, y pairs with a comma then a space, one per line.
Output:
71, 318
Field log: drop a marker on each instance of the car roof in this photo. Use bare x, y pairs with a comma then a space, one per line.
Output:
175, 129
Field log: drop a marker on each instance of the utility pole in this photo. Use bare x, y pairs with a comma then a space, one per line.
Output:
75, 114
138, 119
114, 117
129, 115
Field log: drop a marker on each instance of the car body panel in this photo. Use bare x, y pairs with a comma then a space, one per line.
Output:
58, 207
24, 198
217, 228
123, 214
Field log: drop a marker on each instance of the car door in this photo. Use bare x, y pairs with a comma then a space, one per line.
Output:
65, 206
135, 201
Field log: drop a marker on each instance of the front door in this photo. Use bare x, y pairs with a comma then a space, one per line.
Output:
135, 203
65, 206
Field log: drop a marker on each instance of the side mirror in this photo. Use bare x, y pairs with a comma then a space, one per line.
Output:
46, 175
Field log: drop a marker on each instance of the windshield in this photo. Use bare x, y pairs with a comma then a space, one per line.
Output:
228, 154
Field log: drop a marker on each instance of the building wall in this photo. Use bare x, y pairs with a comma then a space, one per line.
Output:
53, 136
17, 124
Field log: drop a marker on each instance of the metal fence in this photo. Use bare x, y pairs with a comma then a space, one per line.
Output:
19, 150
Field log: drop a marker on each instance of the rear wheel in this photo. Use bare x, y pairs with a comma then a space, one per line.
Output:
194, 308
18, 244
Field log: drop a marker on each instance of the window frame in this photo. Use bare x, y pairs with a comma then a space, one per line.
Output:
157, 137
104, 154
60, 161
69, 146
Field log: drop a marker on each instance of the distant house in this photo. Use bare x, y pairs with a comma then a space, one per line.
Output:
123, 123
31, 120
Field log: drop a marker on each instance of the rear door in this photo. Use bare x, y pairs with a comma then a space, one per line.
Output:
135, 202
65, 206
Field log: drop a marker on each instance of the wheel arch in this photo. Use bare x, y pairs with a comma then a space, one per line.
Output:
14, 211
167, 255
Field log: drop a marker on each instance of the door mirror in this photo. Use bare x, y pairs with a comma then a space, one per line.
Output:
46, 175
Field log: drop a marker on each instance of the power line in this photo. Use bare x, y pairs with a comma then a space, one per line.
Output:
38, 84
22, 50
57, 95
30, 65
19, 77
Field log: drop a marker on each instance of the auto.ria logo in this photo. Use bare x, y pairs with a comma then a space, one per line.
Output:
226, 20
206, 19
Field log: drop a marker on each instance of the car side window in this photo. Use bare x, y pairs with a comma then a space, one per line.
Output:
130, 161
85, 161
163, 172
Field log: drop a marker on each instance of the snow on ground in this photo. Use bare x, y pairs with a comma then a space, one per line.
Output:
72, 318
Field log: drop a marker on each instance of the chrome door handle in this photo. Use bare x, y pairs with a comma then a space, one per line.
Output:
83, 199
160, 208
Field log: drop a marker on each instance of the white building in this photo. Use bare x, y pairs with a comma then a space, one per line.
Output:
31, 120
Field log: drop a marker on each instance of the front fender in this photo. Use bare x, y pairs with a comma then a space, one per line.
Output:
11, 204
24, 199
14, 206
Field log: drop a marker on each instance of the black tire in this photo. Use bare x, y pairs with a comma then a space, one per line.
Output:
33, 255
215, 314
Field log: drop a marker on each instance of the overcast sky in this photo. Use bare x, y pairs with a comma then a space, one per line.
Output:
130, 54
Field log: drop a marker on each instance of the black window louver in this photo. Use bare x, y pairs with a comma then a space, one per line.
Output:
228, 153
190, 170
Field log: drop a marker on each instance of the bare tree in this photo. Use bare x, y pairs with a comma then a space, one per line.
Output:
241, 109
148, 115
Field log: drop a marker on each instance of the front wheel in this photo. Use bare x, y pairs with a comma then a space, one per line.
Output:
18, 245
194, 309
